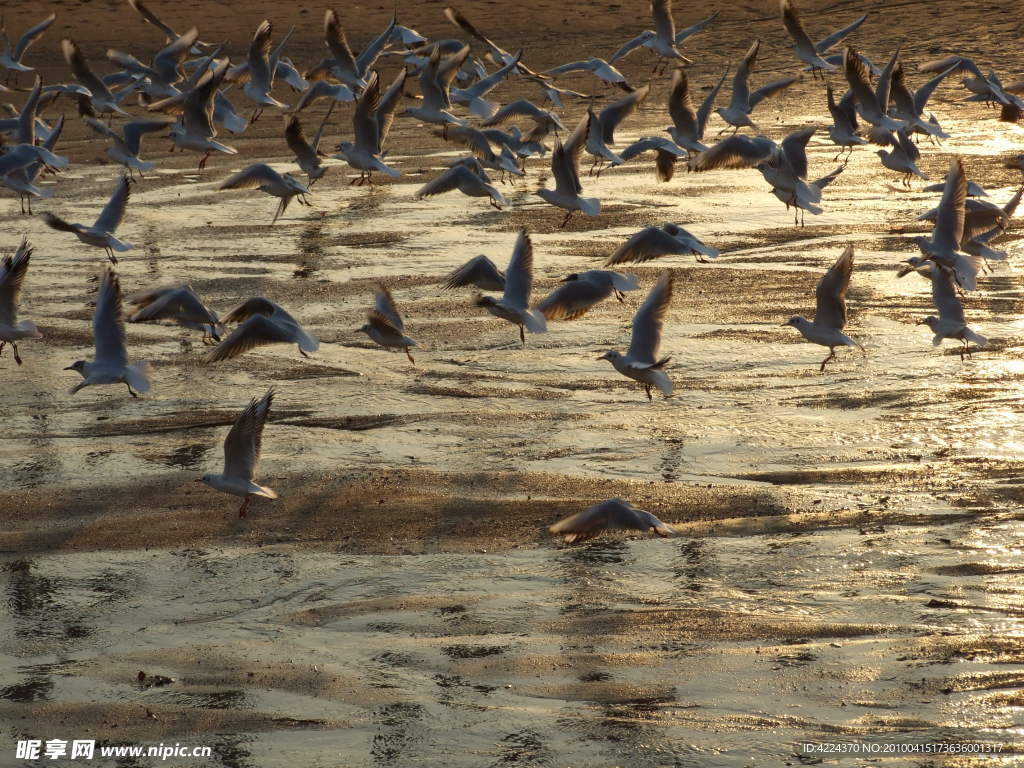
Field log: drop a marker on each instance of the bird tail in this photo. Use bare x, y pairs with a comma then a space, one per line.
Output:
659, 527
29, 328
977, 338
263, 491
534, 321
661, 380
590, 206
139, 376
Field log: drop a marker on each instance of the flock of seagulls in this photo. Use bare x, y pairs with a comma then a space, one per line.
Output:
191, 92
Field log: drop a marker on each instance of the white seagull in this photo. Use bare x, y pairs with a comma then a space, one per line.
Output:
514, 305
111, 363
178, 304
264, 178
688, 125
743, 102
830, 316
10, 57
262, 322
613, 514
565, 167
242, 453
100, 234
808, 52
943, 247
663, 39
641, 362
12, 278
363, 154
384, 324
125, 148
480, 272
581, 291
467, 176
951, 323
654, 242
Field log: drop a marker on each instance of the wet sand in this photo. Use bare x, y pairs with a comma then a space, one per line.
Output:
848, 565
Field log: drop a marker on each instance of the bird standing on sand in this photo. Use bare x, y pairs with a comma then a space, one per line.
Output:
830, 316
641, 362
242, 449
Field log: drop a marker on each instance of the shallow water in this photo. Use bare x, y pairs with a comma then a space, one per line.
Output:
849, 558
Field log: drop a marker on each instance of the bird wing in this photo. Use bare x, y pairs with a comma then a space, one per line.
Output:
80, 68
840, 116
618, 111
680, 105
152, 18
134, 130
704, 112
944, 295
664, 24
795, 27
251, 177
794, 147
922, 94
857, 76
583, 525
56, 222
630, 46
102, 128
649, 320
169, 58
384, 303
573, 148
961, 64
31, 35
769, 90
447, 181
12, 276
824, 181
737, 151
949, 221
26, 130
364, 119
259, 55
388, 106
256, 331
883, 88
257, 305
108, 322
831, 292
741, 80
334, 37
573, 298
169, 304
245, 440
113, 212
648, 143
369, 55
466, 26
296, 140
700, 26
479, 269
828, 43
519, 275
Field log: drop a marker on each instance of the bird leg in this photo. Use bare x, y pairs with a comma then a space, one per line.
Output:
110, 254
620, 296
202, 162
17, 359
566, 219
409, 355
831, 356
647, 388
303, 352
130, 390
522, 335
2, 345
242, 510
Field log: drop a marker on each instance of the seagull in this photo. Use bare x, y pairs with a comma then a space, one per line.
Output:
264, 178
599, 68
666, 154
100, 234
351, 70
10, 59
950, 324
872, 105
469, 178
641, 362
743, 102
808, 52
384, 324
602, 128
653, 242
161, 79
472, 96
22, 180
663, 39
565, 162
111, 363
322, 89
101, 97
909, 105
363, 154
613, 514
579, 292
12, 277
514, 305
479, 271
435, 83
943, 247
545, 120
195, 129
830, 316
498, 54
843, 130
480, 144
262, 322
903, 158
261, 76
242, 453
306, 155
178, 304
688, 125
151, 18
125, 149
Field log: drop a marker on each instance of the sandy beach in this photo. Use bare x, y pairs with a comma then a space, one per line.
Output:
848, 564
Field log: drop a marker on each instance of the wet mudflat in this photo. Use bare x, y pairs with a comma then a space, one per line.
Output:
849, 564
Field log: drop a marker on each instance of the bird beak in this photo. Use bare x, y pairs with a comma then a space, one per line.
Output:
70, 368
919, 322
783, 325
198, 480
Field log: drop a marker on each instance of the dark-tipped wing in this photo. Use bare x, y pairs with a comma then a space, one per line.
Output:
649, 320
949, 222
831, 292
113, 212
244, 442
479, 271
108, 322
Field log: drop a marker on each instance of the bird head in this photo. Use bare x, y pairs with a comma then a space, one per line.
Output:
364, 328
204, 479
78, 365
611, 354
796, 321
480, 300
930, 321
570, 278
